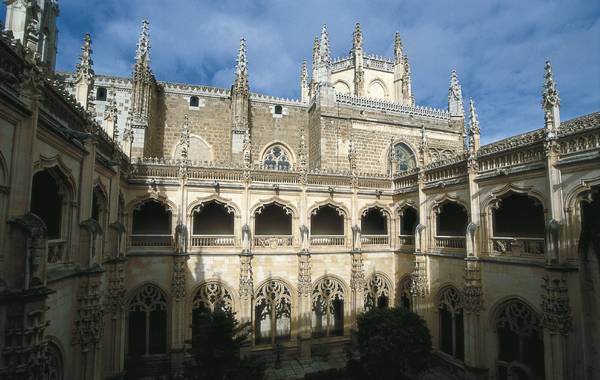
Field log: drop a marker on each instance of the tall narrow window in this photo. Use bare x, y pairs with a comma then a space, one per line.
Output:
147, 322
328, 307
194, 101
405, 295
47, 202
273, 313
451, 323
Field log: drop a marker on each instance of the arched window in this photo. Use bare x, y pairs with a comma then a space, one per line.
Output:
327, 220
377, 292
198, 151
273, 219
519, 225
451, 323
520, 342
194, 101
374, 222
403, 157
101, 94
409, 219
273, 313
341, 87
213, 225
277, 158
405, 296
99, 206
151, 226
147, 322
212, 296
328, 307
54, 369
47, 202
452, 220
278, 109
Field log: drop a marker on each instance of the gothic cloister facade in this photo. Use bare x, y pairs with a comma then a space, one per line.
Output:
128, 203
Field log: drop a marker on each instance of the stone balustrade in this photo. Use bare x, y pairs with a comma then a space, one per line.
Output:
375, 240
213, 241
449, 242
56, 251
384, 105
406, 240
273, 241
150, 240
328, 240
513, 246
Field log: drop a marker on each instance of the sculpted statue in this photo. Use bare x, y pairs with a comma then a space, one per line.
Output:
181, 238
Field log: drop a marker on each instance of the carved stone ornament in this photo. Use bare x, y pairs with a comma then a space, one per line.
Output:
89, 322
357, 278
419, 286
246, 277
556, 311
472, 291
304, 274
179, 277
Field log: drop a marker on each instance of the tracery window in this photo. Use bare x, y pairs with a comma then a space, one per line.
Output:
273, 313
451, 322
403, 157
328, 307
377, 292
212, 296
520, 342
54, 369
277, 158
147, 322
405, 297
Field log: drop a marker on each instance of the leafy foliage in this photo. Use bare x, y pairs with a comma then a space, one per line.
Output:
393, 341
217, 338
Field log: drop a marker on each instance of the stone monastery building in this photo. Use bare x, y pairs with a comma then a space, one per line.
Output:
128, 203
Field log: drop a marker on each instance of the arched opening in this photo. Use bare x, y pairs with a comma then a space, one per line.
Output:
47, 202
277, 158
451, 226
194, 101
327, 226
278, 109
273, 225
409, 219
273, 313
374, 226
147, 323
328, 308
54, 369
198, 151
451, 323
403, 158
99, 206
341, 88
101, 94
405, 296
520, 342
151, 225
518, 225
210, 297
376, 90
213, 225
377, 292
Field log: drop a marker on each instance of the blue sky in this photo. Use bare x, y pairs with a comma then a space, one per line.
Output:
498, 47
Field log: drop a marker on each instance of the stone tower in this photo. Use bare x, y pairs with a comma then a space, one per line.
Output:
34, 24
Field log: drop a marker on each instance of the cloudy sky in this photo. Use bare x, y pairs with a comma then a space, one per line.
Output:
498, 47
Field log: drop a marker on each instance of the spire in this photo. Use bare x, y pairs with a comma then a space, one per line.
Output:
240, 85
315, 56
398, 49
143, 46
550, 99
324, 52
304, 83
474, 131
84, 69
455, 99
111, 115
357, 43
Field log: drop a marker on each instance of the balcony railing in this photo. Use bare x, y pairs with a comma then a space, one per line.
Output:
273, 241
56, 251
375, 240
452, 242
328, 240
406, 240
213, 240
512, 246
150, 240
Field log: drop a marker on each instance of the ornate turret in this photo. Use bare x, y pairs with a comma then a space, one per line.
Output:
84, 74
323, 66
304, 89
357, 52
550, 100
240, 99
402, 74
455, 99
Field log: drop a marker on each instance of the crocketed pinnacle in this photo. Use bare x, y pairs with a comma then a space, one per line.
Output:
324, 52
398, 48
550, 96
473, 119
357, 41
304, 73
143, 46
84, 67
241, 71
315, 56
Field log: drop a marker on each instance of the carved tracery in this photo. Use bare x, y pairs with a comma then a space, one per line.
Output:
213, 296
377, 292
273, 308
328, 307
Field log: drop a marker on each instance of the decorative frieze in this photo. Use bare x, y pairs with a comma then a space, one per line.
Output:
179, 276
419, 286
115, 296
556, 311
246, 277
304, 274
89, 322
357, 278
472, 291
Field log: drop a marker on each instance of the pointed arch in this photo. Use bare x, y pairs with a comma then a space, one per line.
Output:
213, 294
148, 310
342, 87
495, 196
199, 151
378, 291
226, 202
276, 157
329, 295
286, 205
60, 171
373, 92
273, 311
337, 205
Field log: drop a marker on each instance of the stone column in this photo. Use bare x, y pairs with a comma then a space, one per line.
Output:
304, 303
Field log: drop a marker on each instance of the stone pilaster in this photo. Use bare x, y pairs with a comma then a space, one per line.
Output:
304, 303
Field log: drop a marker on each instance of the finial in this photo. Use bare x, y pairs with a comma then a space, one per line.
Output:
324, 52
473, 119
455, 99
84, 67
304, 73
241, 71
143, 45
550, 96
398, 48
357, 42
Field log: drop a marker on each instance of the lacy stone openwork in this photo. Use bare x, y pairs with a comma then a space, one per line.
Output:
377, 292
328, 301
273, 307
277, 158
147, 299
213, 296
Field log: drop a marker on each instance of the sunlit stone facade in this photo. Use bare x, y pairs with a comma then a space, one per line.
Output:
128, 203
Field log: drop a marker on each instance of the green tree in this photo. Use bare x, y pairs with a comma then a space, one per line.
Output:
217, 338
393, 343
